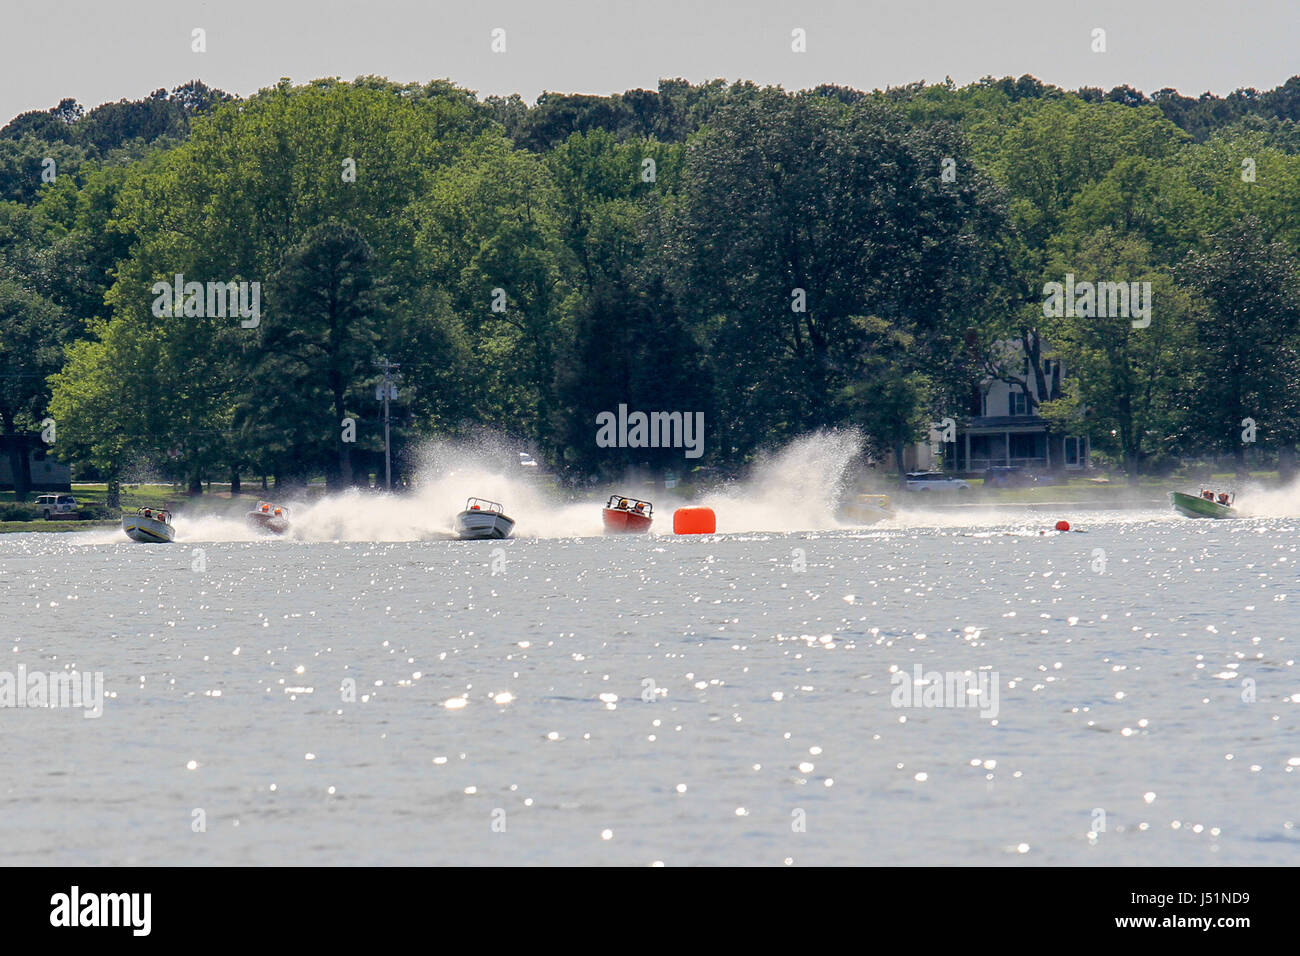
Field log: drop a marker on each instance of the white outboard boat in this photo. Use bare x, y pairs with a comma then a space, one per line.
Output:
483, 519
268, 517
149, 525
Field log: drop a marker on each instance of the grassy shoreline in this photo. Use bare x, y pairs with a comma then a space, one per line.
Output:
41, 525
92, 501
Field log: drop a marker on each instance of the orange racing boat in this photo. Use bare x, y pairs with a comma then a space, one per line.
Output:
627, 515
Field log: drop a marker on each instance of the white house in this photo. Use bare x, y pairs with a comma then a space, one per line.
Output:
1000, 429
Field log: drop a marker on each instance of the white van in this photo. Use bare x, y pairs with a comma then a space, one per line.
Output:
56, 506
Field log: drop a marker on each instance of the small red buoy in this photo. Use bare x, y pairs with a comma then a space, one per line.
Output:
1062, 526
694, 521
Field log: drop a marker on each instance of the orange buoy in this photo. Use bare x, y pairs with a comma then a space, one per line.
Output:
694, 520
1062, 526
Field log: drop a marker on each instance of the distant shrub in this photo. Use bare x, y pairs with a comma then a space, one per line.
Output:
17, 511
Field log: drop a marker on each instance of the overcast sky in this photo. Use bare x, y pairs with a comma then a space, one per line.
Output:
99, 51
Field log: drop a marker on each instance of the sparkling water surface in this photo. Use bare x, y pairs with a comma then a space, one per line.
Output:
653, 699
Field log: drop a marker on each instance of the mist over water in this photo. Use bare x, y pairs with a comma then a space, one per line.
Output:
1257, 501
797, 487
448, 474
794, 488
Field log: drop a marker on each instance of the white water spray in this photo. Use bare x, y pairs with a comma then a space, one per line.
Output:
797, 487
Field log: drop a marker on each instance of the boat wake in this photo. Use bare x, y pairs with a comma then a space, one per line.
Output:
798, 487
1257, 501
795, 488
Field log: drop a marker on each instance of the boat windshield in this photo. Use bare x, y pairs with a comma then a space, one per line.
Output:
624, 503
482, 504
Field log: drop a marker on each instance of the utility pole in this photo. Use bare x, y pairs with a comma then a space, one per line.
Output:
388, 393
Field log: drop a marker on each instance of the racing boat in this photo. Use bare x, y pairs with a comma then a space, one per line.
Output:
1204, 505
149, 525
268, 517
623, 515
483, 519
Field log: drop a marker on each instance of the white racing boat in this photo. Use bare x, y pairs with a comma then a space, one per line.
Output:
149, 525
483, 519
268, 517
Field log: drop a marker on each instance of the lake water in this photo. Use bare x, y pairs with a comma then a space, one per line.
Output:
716, 700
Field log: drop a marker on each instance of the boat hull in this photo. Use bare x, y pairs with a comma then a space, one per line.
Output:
476, 525
147, 530
618, 521
1193, 506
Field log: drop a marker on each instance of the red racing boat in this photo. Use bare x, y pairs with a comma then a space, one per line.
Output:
623, 514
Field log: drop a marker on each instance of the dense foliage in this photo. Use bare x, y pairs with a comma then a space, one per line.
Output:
779, 261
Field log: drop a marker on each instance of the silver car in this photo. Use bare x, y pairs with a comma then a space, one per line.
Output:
52, 506
933, 481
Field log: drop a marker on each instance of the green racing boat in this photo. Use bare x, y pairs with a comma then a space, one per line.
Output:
1195, 506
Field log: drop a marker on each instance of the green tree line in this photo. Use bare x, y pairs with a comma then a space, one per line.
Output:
778, 260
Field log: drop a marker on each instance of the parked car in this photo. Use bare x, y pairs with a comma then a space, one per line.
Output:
57, 506
1008, 476
933, 481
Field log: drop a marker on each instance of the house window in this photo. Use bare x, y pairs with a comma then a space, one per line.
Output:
1052, 377
1019, 402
